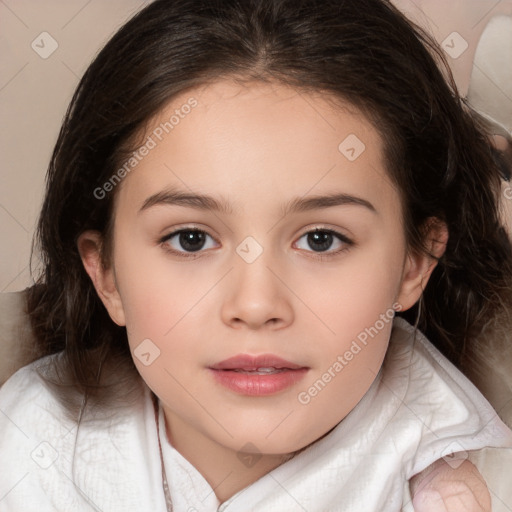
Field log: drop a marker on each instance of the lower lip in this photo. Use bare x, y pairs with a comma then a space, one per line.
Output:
258, 385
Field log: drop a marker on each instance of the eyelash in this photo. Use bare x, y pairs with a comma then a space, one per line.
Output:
317, 255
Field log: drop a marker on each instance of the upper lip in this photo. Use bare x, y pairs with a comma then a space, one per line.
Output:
249, 362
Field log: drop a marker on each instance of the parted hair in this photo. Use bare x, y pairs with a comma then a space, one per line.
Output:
365, 52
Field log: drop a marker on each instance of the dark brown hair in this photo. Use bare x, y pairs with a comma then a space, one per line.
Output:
364, 52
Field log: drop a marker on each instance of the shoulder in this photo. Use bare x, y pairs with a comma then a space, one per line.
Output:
459, 488
30, 414
48, 462
26, 390
31, 422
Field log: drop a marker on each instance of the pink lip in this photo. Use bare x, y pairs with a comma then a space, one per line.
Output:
257, 385
248, 362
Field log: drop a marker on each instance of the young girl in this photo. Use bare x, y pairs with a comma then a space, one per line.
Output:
242, 197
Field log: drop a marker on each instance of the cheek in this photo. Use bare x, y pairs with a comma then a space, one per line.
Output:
350, 360
357, 306
155, 291
162, 305
166, 302
350, 296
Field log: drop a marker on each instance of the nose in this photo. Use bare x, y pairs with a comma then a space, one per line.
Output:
257, 296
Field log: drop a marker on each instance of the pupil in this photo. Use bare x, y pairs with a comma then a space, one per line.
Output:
321, 238
190, 240
194, 240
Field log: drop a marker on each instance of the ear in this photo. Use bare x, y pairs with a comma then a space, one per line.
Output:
419, 266
89, 246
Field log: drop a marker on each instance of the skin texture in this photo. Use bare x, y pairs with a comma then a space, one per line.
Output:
258, 145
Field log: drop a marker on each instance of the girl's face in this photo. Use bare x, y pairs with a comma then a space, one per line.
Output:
256, 169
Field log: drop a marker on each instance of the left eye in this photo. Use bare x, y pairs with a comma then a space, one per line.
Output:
320, 240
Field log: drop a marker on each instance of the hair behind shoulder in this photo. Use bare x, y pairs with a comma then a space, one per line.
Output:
365, 52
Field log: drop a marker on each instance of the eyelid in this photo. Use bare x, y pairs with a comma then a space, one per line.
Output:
178, 229
328, 228
186, 227
343, 238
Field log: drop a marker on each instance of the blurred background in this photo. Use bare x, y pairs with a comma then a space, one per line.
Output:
45, 47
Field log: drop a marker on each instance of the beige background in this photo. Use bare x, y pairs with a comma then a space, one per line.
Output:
34, 92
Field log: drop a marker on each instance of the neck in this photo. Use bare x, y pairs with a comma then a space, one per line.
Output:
227, 471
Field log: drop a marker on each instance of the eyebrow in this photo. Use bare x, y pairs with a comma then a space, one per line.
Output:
221, 205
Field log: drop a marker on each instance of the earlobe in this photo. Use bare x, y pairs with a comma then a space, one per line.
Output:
419, 266
89, 246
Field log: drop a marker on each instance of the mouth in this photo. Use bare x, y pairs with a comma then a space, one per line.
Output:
266, 374
260, 371
261, 363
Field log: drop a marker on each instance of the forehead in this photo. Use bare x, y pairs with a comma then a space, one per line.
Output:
258, 143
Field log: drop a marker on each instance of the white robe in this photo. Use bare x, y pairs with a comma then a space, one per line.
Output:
419, 409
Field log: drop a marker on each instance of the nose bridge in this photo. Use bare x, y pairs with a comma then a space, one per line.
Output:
252, 270
257, 296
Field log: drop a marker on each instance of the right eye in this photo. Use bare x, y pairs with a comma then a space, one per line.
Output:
185, 242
